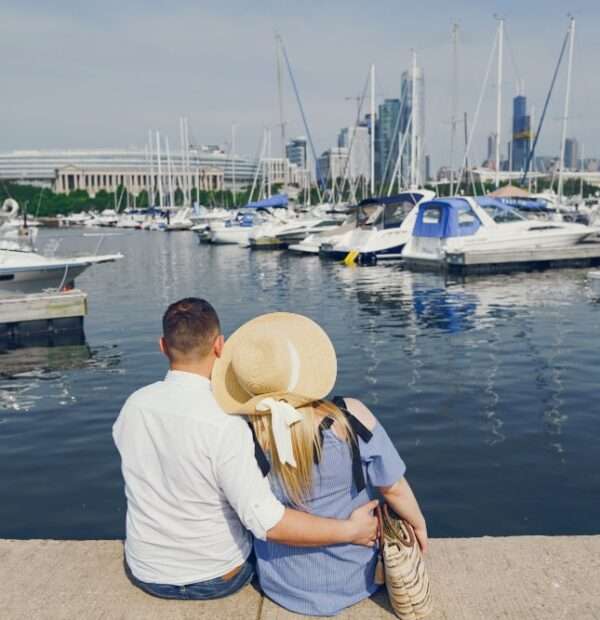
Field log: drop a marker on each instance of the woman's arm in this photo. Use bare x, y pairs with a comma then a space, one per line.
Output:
404, 503
398, 495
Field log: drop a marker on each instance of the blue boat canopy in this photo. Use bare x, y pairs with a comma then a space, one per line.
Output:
442, 218
274, 202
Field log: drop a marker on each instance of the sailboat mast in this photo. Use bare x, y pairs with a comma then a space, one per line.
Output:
581, 169
188, 194
566, 111
414, 124
151, 194
499, 99
454, 103
233, 127
160, 191
170, 175
372, 130
280, 95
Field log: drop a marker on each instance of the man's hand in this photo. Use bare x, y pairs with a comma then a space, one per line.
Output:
364, 525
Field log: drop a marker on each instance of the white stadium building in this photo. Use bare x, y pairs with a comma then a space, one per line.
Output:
208, 168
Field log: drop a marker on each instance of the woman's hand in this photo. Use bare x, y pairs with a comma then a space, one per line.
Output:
403, 502
421, 536
364, 525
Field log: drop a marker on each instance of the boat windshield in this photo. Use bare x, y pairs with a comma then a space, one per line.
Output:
384, 216
367, 215
503, 214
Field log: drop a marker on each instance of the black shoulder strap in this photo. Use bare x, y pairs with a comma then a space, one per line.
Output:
259, 453
360, 430
325, 424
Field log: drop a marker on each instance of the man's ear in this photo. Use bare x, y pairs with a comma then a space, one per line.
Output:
219, 344
162, 345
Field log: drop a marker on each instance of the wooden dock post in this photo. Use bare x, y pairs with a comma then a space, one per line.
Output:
41, 318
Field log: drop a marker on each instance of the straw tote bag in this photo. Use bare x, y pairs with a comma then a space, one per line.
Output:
401, 567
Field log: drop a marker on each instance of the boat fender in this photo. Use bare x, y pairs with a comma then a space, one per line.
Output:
351, 258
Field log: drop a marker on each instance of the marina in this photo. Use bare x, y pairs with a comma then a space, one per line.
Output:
374, 236
499, 369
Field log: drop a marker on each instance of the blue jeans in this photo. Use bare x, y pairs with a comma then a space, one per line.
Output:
213, 588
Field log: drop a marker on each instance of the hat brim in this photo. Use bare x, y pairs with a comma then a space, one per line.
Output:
318, 364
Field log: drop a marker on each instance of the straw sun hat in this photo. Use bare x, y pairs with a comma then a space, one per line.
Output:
281, 356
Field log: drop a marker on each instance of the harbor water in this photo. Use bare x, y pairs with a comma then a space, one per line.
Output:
489, 388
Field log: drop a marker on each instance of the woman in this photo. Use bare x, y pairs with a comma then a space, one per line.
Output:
325, 457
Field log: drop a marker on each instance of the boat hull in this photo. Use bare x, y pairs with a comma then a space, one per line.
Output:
229, 236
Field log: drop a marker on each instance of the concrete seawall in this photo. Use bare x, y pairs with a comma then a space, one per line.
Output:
529, 578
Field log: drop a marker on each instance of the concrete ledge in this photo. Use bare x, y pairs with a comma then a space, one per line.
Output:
545, 578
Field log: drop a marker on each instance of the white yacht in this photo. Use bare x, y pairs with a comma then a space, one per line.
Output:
292, 229
203, 216
107, 218
179, 219
74, 219
236, 231
26, 271
482, 224
383, 227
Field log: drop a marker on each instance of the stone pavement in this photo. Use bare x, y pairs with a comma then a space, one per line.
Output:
525, 578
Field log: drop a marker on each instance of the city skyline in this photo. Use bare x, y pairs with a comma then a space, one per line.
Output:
104, 78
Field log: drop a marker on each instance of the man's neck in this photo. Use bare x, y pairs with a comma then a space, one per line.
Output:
201, 369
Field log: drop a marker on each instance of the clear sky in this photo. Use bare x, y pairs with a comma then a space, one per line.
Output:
100, 74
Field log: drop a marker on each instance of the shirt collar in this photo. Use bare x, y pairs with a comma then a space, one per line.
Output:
187, 378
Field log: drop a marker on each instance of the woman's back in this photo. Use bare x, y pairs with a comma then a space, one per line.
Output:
325, 580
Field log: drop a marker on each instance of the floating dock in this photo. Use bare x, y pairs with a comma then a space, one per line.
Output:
41, 318
585, 254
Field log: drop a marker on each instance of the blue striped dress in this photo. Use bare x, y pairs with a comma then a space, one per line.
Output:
322, 581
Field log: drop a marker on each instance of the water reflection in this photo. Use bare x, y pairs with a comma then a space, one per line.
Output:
420, 307
486, 385
30, 374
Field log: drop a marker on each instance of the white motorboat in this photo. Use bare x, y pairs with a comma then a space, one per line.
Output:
179, 219
107, 218
74, 219
23, 271
280, 234
132, 218
237, 230
202, 216
383, 227
483, 224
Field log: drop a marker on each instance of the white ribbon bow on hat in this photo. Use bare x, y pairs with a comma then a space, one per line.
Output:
283, 417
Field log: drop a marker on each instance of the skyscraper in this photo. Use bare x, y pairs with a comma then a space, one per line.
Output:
571, 154
295, 151
521, 141
386, 139
491, 148
356, 141
406, 95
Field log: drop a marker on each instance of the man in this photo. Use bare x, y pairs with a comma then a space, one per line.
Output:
192, 482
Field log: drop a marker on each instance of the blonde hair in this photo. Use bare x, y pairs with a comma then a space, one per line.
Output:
306, 442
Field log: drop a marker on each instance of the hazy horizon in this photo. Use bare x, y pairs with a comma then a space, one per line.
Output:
101, 76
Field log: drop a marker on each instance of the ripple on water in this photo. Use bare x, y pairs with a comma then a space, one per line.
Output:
488, 387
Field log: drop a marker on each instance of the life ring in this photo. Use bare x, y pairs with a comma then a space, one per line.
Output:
10, 208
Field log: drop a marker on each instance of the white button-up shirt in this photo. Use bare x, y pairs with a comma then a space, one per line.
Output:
192, 483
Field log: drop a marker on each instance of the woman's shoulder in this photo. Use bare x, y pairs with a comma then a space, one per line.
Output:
361, 412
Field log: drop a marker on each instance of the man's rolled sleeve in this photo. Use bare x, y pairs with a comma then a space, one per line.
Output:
242, 482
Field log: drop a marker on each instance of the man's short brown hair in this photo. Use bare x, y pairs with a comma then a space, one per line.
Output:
190, 327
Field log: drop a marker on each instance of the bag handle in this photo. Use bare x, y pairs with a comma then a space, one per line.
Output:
379, 578
404, 525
